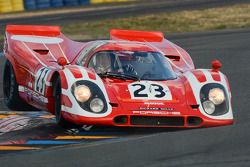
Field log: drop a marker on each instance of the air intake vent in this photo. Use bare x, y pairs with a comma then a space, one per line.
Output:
157, 121
41, 51
174, 58
194, 121
196, 106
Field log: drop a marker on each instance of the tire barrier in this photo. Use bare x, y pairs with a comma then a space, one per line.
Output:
17, 5
71, 2
30, 4
107, 1
83, 2
7, 6
56, 3
42, 4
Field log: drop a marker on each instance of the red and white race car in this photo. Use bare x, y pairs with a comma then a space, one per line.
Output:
135, 79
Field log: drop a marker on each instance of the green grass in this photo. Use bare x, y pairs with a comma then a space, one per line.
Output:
230, 17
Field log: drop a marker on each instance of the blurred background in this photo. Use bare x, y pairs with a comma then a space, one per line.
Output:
91, 19
21, 5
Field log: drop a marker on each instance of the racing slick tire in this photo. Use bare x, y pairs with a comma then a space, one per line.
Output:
10, 90
58, 109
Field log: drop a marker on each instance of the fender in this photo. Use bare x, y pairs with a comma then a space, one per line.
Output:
69, 76
8, 53
196, 79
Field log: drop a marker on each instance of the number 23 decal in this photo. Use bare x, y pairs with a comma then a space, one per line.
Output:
149, 90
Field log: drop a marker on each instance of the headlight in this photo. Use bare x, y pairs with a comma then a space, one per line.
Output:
82, 93
209, 107
216, 95
96, 105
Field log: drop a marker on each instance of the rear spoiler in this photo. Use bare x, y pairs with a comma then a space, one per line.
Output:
34, 30
134, 35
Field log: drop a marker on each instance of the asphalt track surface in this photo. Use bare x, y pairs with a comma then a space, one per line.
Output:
219, 146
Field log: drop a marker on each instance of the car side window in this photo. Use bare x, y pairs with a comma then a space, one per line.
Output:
88, 51
100, 62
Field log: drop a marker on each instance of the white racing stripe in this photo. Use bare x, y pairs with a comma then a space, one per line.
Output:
208, 76
48, 83
20, 88
37, 39
49, 52
174, 46
63, 53
34, 55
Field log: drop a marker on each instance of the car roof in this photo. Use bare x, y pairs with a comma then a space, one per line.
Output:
126, 45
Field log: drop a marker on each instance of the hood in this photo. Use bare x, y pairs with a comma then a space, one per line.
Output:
147, 95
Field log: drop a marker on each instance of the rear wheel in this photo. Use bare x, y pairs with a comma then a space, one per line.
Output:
10, 90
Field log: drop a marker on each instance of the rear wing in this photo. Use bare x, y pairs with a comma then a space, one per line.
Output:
135, 35
50, 31
45, 42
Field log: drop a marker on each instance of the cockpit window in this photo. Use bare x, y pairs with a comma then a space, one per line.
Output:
88, 50
144, 65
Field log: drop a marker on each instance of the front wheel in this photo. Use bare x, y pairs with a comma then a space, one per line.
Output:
58, 106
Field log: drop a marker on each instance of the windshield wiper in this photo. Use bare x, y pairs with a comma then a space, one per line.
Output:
122, 76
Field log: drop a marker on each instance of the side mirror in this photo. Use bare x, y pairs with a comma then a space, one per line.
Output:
62, 61
216, 65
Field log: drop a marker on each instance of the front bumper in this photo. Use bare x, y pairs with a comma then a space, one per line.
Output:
182, 121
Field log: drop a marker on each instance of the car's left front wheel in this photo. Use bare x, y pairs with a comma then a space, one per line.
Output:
60, 120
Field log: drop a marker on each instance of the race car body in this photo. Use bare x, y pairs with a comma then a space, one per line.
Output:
136, 78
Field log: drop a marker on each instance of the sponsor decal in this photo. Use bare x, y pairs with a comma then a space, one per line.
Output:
156, 108
153, 103
157, 112
35, 96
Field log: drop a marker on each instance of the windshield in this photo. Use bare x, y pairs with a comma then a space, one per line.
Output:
141, 65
